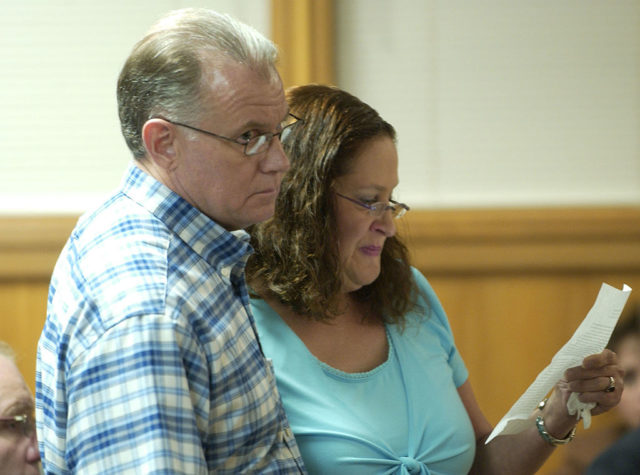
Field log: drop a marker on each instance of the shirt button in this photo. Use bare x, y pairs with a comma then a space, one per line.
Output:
226, 272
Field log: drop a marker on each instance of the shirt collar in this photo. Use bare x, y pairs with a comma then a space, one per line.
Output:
212, 242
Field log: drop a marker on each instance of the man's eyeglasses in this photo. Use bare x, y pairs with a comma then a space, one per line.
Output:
376, 210
253, 145
22, 424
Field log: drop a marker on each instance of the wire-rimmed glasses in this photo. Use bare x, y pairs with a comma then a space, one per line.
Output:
398, 210
22, 424
254, 145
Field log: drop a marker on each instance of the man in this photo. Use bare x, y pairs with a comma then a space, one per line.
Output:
581, 453
621, 458
18, 445
149, 360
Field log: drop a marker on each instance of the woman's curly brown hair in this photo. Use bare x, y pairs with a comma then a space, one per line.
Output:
296, 259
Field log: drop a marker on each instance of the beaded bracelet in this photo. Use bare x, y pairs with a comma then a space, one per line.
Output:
551, 439
542, 430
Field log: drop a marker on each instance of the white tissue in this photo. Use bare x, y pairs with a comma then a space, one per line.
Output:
582, 410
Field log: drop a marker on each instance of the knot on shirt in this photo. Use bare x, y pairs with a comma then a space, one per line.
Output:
411, 465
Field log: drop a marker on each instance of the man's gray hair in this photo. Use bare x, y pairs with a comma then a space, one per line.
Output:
163, 74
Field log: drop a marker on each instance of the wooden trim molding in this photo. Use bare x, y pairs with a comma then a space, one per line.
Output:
303, 31
441, 241
30, 245
524, 240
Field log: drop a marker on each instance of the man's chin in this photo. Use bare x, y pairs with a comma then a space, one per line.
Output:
255, 218
265, 213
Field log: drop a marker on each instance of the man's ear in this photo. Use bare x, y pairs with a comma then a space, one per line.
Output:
160, 141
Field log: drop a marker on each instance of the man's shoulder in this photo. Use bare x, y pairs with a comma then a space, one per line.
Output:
115, 235
115, 260
623, 457
117, 219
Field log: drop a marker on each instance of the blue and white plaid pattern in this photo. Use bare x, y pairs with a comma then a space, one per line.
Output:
148, 361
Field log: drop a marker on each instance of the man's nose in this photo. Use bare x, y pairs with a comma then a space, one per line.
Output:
33, 453
275, 160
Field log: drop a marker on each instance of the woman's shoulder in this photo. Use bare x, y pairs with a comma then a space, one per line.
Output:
420, 280
428, 304
261, 310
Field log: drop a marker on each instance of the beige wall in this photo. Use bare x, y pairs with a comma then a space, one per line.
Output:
496, 103
501, 103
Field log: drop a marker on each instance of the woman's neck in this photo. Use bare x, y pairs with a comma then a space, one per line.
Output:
351, 341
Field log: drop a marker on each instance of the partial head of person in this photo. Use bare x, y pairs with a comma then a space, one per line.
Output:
334, 228
625, 341
202, 110
18, 444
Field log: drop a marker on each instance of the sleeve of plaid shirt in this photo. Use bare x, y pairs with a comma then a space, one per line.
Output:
130, 402
124, 399
121, 386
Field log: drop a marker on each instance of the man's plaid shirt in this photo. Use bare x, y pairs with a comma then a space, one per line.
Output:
148, 361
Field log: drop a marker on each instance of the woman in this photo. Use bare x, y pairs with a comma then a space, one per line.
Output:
364, 356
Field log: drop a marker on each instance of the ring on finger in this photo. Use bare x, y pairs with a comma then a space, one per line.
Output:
612, 385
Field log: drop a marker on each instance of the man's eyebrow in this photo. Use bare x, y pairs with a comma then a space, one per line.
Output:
254, 124
20, 406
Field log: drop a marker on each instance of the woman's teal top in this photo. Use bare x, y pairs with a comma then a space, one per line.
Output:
404, 416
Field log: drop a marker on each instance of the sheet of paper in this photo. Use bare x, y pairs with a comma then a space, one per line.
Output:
591, 337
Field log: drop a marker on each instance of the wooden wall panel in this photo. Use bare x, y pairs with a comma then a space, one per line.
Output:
22, 314
515, 283
29, 247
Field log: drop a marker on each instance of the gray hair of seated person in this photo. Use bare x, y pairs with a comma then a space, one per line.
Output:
163, 75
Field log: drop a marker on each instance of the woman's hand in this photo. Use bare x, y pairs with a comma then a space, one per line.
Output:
593, 378
591, 381
526, 452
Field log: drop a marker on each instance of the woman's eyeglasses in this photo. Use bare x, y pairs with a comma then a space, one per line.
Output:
376, 210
